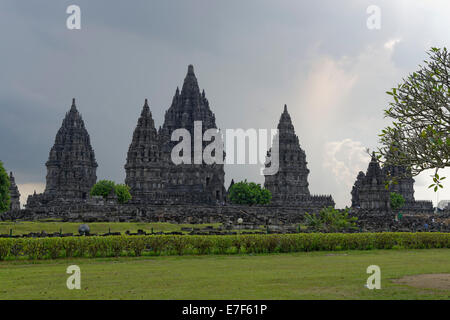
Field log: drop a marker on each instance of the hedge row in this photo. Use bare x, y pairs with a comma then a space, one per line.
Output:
114, 246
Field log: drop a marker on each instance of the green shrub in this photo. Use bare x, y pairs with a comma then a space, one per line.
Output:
122, 192
331, 220
102, 188
136, 245
40, 248
397, 201
249, 193
5, 247
105, 187
36, 248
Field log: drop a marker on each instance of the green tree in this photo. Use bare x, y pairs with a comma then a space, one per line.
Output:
4, 189
330, 220
122, 192
397, 201
102, 188
419, 137
249, 193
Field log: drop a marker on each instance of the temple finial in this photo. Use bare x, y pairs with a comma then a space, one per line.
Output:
190, 69
145, 108
73, 107
285, 108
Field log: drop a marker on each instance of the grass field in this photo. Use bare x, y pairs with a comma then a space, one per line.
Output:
311, 275
22, 227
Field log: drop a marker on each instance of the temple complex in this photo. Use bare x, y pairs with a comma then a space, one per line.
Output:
289, 186
156, 182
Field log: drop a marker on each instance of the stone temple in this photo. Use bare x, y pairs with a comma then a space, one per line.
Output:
289, 186
71, 166
14, 193
152, 176
369, 191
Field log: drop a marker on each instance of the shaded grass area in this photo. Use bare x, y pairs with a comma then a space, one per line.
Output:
306, 275
23, 227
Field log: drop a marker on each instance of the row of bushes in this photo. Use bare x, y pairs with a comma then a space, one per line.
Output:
114, 246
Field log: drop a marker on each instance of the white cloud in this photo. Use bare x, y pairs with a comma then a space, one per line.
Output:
27, 189
390, 44
344, 159
328, 83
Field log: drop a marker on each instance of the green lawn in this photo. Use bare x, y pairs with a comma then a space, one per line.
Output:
22, 227
311, 275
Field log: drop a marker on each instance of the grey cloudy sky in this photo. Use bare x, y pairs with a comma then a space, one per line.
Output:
251, 57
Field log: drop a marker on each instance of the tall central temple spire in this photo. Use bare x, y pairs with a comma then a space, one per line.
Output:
150, 172
188, 106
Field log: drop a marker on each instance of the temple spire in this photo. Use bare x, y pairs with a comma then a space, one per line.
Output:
73, 107
190, 87
145, 108
285, 122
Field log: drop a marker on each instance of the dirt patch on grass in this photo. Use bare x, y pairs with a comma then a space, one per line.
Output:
439, 281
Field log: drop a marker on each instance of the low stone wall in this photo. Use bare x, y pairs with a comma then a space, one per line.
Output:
165, 213
285, 217
409, 222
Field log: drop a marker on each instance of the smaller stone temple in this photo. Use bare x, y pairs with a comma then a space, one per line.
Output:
289, 186
14, 193
369, 191
71, 165
355, 190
